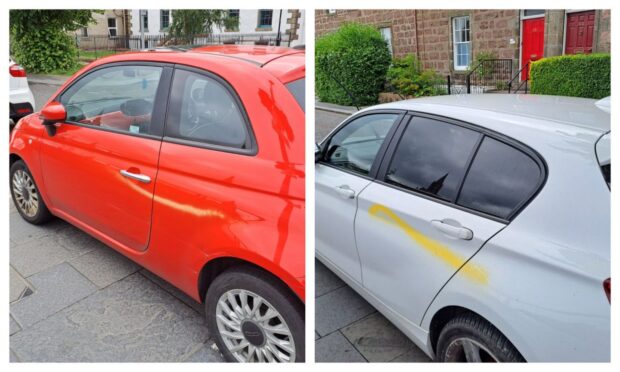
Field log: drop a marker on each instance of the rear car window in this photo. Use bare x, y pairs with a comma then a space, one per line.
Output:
432, 157
202, 109
501, 178
298, 90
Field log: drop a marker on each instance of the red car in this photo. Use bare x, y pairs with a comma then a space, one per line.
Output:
190, 163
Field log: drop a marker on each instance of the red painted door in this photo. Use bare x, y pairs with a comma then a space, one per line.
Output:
532, 47
579, 32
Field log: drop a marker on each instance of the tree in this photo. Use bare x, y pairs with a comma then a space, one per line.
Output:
186, 23
39, 39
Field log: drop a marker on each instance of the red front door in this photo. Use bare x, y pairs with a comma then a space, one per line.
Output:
579, 32
532, 47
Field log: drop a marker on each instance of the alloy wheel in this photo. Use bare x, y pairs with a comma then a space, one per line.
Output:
252, 329
465, 349
25, 192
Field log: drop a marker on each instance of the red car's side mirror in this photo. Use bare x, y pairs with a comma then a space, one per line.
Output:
51, 114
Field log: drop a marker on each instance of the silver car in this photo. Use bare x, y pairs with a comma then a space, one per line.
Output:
478, 224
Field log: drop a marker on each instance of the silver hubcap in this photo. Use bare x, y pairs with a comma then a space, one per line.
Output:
467, 350
252, 329
25, 193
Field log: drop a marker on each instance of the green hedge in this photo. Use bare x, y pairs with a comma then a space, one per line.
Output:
580, 75
357, 57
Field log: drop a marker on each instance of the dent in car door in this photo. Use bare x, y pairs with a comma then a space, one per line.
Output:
343, 172
100, 167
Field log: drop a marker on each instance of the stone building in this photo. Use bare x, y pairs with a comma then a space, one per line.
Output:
449, 40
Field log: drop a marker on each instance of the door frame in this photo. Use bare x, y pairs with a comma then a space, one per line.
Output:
569, 11
523, 17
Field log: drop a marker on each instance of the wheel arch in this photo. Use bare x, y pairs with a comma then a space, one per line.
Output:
445, 314
214, 267
13, 158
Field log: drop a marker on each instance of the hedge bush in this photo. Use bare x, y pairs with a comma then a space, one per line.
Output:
357, 57
39, 39
408, 78
580, 75
56, 53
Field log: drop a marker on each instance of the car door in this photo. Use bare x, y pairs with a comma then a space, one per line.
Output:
443, 190
100, 166
348, 161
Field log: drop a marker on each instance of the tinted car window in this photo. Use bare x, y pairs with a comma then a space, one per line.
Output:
432, 157
499, 180
355, 146
298, 90
203, 109
120, 98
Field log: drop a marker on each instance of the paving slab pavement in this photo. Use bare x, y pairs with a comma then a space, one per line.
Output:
84, 302
349, 329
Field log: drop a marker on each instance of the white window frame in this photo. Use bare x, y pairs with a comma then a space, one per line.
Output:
387, 36
161, 18
115, 28
144, 15
455, 43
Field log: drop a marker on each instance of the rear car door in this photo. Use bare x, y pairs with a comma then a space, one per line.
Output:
442, 191
100, 166
348, 162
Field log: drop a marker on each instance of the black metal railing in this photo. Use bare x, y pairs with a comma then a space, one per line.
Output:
97, 46
489, 75
517, 75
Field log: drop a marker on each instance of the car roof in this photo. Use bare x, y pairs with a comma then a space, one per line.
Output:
286, 64
566, 111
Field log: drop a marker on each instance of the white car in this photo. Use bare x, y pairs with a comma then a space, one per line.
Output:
21, 100
478, 224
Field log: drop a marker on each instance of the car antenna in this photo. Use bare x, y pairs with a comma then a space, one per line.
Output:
343, 88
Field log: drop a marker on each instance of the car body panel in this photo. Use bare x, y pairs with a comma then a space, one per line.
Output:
335, 218
79, 162
260, 195
401, 253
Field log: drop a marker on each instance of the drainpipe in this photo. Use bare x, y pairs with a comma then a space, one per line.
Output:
417, 40
279, 36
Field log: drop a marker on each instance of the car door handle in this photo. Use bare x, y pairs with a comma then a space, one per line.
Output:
138, 177
454, 231
345, 191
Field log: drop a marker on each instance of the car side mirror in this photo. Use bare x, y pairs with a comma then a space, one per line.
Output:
317, 152
54, 112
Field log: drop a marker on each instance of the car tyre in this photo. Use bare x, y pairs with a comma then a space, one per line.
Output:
26, 195
267, 323
470, 338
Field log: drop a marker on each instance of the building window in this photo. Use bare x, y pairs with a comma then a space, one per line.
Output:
533, 13
164, 19
461, 43
84, 32
144, 20
265, 18
233, 18
386, 32
112, 27
331, 11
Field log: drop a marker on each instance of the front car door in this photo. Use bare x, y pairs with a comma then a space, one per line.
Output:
100, 166
346, 167
442, 191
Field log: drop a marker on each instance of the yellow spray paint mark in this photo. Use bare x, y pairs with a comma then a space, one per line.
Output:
473, 272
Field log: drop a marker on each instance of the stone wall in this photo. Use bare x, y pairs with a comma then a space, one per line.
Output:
427, 32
